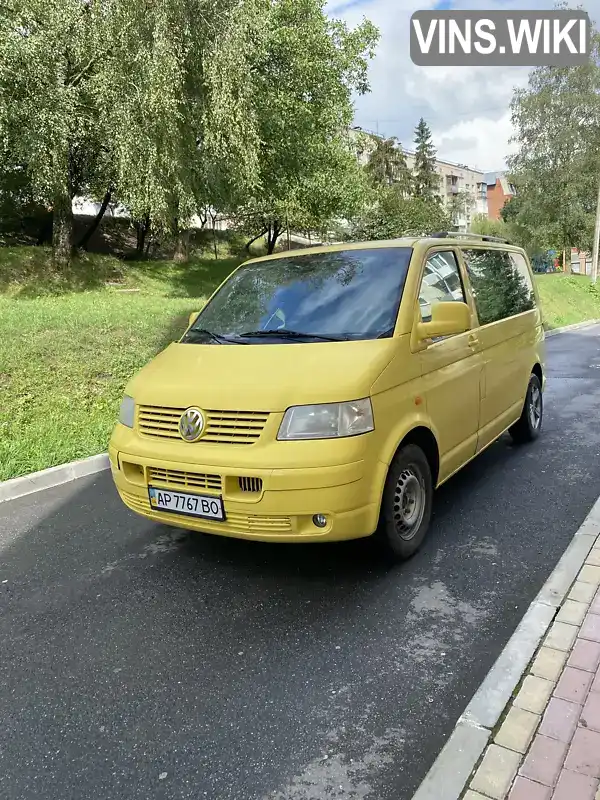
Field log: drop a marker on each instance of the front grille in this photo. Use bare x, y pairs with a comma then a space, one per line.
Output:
228, 427
184, 480
251, 485
235, 523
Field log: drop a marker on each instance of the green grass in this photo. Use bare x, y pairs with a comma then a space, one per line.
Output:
567, 299
70, 342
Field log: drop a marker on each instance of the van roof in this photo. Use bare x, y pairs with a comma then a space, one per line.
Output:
449, 239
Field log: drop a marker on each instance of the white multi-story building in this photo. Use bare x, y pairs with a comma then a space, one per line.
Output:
460, 186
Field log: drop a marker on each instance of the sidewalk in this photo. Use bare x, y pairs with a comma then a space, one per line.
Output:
547, 744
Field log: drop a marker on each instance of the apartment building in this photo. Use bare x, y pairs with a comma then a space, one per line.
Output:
462, 188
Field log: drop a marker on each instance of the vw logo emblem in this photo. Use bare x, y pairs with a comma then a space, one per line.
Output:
191, 425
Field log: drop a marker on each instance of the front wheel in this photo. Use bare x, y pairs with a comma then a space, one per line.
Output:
406, 503
529, 425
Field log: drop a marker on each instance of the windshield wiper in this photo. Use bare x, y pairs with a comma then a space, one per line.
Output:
212, 336
283, 333
387, 334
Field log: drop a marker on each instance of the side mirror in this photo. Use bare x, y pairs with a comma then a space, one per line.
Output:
193, 318
447, 319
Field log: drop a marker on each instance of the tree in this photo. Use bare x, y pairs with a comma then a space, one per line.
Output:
522, 229
483, 225
181, 108
150, 98
48, 117
557, 166
387, 165
460, 204
499, 288
425, 178
394, 216
305, 69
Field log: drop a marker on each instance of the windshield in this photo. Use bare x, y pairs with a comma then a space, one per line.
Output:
351, 294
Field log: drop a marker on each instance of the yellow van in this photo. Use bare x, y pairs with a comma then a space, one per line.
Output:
323, 394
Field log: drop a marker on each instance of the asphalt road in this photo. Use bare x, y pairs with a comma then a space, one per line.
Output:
140, 663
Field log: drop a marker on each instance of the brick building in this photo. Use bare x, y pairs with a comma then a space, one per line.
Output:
499, 192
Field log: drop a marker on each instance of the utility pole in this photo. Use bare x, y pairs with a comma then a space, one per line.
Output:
594, 275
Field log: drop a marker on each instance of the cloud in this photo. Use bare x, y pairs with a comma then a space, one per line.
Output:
467, 108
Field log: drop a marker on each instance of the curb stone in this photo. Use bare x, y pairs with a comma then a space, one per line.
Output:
470, 737
577, 326
56, 476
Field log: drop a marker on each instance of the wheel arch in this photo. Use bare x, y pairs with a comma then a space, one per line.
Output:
424, 438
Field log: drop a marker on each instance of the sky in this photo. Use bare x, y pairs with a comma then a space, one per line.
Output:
467, 108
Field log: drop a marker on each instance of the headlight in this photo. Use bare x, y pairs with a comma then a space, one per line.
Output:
327, 421
127, 412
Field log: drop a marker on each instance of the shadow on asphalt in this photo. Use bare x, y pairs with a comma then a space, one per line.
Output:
347, 562
70, 535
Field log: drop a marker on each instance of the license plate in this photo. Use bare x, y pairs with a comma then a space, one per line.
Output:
191, 505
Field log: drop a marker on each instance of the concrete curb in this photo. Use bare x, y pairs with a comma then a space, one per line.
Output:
577, 326
54, 476
448, 777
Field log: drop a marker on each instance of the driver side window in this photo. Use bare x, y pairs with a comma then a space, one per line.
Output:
441, 283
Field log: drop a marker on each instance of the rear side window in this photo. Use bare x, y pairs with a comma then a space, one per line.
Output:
501, 284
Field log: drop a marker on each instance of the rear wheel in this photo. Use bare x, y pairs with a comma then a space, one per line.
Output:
529, 425
406, 503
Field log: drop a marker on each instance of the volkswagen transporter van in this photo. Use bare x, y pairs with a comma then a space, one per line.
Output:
324, 394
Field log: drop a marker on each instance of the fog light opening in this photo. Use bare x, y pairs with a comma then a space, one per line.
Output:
320, 521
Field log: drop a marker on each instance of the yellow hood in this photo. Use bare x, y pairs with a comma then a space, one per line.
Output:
264, 377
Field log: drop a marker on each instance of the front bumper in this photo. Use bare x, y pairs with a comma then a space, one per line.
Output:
281, 510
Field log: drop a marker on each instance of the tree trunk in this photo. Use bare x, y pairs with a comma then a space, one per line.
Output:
596, 248
272, 235
85, 239
45, 233
566, 262
62, 229
213, 221
251, 242
142, 228
182, 246
215, 245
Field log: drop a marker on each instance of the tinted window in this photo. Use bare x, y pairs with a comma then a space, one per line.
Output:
440, 284
501, 284
520, 265
351, 294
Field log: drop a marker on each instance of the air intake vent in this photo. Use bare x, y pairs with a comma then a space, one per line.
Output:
253, 485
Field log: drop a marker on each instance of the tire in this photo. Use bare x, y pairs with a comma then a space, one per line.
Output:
406, 504
529, 425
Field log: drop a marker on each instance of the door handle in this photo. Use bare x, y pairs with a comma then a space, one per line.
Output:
473, 340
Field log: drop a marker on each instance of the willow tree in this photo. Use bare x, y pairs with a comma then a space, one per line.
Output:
181, 108
150, 98
48, 114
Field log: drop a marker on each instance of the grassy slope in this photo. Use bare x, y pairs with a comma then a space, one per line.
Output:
567, 299
68, 345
